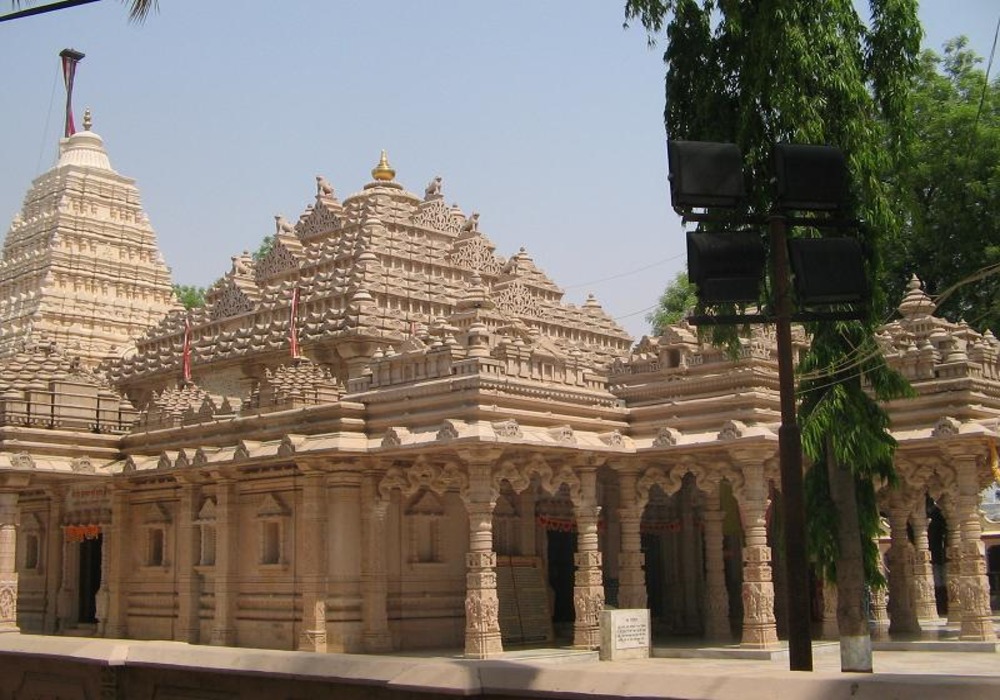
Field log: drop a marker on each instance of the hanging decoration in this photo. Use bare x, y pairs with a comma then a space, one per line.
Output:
79, 533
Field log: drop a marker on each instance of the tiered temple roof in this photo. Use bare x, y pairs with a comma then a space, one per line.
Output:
81, 266
383, 272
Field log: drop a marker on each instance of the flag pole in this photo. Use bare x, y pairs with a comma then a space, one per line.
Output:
70, 57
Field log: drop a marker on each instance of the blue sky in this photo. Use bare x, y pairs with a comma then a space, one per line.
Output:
545, 117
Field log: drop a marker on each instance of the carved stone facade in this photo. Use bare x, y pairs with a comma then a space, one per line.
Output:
449, 418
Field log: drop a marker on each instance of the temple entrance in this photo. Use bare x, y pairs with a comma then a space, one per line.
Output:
561, 547
90, 579
993, 573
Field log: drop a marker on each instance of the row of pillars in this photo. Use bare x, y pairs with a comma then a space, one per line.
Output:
911, 589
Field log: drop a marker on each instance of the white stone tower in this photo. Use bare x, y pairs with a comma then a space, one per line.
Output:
80, 266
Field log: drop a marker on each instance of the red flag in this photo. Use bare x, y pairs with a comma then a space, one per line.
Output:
69, 60
293, 331
186, 357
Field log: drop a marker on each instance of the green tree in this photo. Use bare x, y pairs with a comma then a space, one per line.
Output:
676, 302
811, 71
949, 188
189, 295
263, 249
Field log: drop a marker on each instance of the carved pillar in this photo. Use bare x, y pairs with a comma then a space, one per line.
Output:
188, 581
374, 577
977, 624
902, 612
953, 558
631, 576
482, 606
53, 560
116, 545
880, 602
226, 561
8, 558
588, 586
923, 571
759, 625
313, 567
716, 595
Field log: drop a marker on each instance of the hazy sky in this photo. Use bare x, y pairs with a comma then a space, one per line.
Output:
544, 116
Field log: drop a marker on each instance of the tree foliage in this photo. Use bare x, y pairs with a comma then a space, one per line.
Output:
676, 302
190, 296
949, 188
809, 71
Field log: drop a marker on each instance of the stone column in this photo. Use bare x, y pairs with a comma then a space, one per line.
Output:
716, 595
880, 602
902, 611
631, 575
226, 561
588, 585
977, 625
759, 625
482, 606
374, 577
116, 547
53, 560
188, 580
953, 558
923, 571
342, 541
312, 570
8, 558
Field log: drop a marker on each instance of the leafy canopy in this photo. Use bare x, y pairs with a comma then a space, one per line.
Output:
807, 71
949, 188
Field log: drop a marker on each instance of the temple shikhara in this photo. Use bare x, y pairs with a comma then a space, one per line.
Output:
383, 434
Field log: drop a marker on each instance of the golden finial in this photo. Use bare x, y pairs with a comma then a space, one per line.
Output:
383, 172
87, 121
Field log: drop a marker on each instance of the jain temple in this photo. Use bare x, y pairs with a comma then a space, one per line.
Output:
385, 435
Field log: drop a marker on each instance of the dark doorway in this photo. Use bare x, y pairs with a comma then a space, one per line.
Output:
652, 551
90, 578
561, 546
993, 572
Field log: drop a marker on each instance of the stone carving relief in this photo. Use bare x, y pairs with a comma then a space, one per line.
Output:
435, 214
516, 298
669, 482
276, 262
732, 430
321, 221
423, 475
476, 255
562, 433
508, 429
22, 460
588, 605
82, 465
448, 431
231, 302
666, 437
394, 437
946, 427
612, 439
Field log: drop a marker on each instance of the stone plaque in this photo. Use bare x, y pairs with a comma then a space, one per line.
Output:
625, 634
525, 614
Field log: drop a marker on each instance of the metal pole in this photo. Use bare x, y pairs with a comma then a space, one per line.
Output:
790, 456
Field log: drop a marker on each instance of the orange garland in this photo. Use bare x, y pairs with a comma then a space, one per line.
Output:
79, 533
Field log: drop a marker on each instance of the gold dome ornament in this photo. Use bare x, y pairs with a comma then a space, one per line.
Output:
383, 172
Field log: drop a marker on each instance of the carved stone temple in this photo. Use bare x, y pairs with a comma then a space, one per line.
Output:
384, 435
